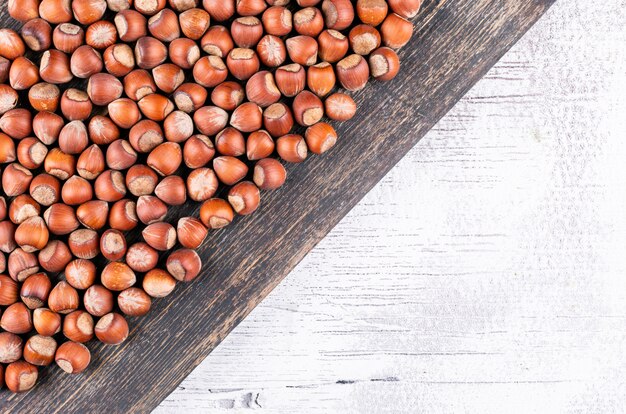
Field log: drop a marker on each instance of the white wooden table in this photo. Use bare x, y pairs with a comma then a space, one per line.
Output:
485, 274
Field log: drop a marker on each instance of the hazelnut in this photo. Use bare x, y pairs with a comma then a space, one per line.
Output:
17, 123
22, 208
278, 21
244, 197
101, 34
194, 23
219, 10
190, 97
103, 89
158, 283
171, 190
290, 79
37, 34
44, 97
98, 300
119, 59
405, 8
39, 350
90, 163
333, 46
353, 72
80, 273
164, 25
156, 107
21, 264
109, 186
117, 276
85, 62
8, 100
32, 234
396, 31
269, 174
17, 319
262, 90
23, 10
55, 67
250, 7
364, 39
150, 209
210, 71
248, 117
72, 357
149, 7
340, 107
55, 11
7, 238
73, 138
112, 329
78, 326
139, 84
134, 302
8, 292
272, 51
168, 77
141, 258
123, 215
228, 95
216, 213
308, 21
141, 180
278, 120
68, 37
217, 41
308, 109
55, 256
76, 190
191, 232
372, 12
165, 160
59, 164
84, 243
120, 155
210, 120
178, 126
63, 298
131, 25
20, 376
230, 142
259, 145
243, 63
11, 44
31, 152
145, 136
112, 246
160, 236
184, 265
384, 64
102, 130
338, 14
35, 290
47, 127
229, 170
302, 50
292, 148
184, 52
124, 112
46, 322
202, 184
150, 52
10, 347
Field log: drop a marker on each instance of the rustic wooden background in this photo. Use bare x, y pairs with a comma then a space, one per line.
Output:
456, 42
485, 274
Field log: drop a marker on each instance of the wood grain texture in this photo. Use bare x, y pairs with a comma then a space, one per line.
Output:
456, 42
484, 274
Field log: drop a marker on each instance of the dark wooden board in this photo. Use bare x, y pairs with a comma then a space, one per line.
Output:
455, 43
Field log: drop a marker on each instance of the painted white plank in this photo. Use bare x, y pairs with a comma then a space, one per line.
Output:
485, 274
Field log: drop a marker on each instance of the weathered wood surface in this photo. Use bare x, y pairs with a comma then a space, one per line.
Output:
456, 42
484, 274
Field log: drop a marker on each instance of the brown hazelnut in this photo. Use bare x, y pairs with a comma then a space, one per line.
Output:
372, 12
364, 39
243, 63
259, 145
119, 59
55, 11
112, 245
272, 51
278, 21
46, 322
178, 126
103, 89
145, 136
102, 130
98, 300
17, 123
396, 31
230, 142
90, 163
16, 180
248, 117
123, 215
117, 276
11, 44
150, 209
308, 21
156, 107
44, 97
31, 153
210, 120
184, 52
228, 95
184, 265
168, 77
22, 208
131, 25
217, 41
292, 148
68, 37
202, 184
353, 72
150, 52
8, 292
139, 84
164, 25
35, 290
134, 302
37, 34
93, 214
32, 234
109, 186
80, 273
21, 264
39, 350
269, 174
210, 71
112, 329
216, 213
20, 376
124, 112
171, 190
55, 256
190, 97
250, 7
85, 62
160, 236
72, 357
141, 258
229, 170
219, 10
101, 34
308, 109
10, 347
149, 7
8, 99
405, 8
384, 64
23, 10
333, 46
76, 190
244, 197
290, 79
55, 67
278, 119
120, 155
340, 107
17, 319
302, 50
194, 23
338, 14
63, 298
84, 243
119, 5
165, 159
78, 326
191, 232
47, 127
158, 283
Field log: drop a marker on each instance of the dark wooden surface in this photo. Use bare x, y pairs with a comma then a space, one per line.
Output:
456, 42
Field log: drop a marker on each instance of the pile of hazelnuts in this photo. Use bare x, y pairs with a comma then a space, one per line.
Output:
115, 112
